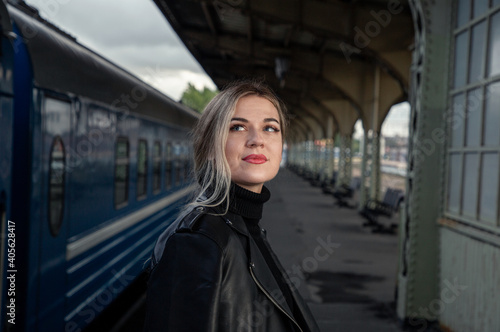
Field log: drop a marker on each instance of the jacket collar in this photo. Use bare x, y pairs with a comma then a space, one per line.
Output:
237, 223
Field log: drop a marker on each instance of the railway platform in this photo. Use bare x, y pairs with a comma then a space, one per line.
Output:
346, 273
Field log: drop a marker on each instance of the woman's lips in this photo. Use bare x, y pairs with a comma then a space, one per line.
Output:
255, 159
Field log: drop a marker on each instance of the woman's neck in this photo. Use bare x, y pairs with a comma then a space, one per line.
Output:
246, 203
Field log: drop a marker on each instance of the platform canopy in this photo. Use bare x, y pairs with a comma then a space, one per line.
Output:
332, 61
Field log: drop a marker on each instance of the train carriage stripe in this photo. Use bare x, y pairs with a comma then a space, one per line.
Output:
80, 246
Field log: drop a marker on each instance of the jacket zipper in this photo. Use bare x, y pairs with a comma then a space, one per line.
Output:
271, 299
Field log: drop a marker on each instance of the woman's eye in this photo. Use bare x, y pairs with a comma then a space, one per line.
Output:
271, 128
237, 128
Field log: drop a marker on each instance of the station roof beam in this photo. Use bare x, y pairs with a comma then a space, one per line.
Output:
340, 58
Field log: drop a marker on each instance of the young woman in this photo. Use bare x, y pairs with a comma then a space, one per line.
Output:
212, 269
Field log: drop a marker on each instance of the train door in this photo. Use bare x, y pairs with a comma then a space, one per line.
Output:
6, 127
56, 173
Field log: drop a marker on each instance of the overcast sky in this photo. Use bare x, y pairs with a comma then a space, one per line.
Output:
136, 36
133, 34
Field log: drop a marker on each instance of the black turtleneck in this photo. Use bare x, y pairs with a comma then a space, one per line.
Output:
248, 205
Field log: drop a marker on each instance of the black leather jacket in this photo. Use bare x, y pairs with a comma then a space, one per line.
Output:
203, 279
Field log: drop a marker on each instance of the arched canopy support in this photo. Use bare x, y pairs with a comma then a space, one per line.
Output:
345, 114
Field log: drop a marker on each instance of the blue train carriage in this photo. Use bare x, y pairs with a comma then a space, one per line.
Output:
96, 166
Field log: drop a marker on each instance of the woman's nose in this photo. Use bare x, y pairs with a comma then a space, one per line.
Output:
255, 139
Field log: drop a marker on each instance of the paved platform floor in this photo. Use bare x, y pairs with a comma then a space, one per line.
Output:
346, 273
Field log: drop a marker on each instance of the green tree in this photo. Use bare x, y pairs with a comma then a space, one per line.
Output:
197, 99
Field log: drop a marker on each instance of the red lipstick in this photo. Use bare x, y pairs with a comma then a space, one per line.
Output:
255, 159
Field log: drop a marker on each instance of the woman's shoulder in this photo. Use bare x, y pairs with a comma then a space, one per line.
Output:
191, 221
210, 224
199, 224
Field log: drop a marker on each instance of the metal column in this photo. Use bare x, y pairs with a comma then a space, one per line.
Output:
365, 169
345, 161
375, 168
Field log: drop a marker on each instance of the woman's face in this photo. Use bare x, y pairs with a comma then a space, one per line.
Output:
254, 143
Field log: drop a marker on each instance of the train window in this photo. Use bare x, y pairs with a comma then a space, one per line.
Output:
121, 171
56, 185
168, 166
156, 167
142, 168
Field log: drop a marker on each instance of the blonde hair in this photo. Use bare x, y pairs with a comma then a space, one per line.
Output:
211, 169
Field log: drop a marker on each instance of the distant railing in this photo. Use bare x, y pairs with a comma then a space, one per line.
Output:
393, 167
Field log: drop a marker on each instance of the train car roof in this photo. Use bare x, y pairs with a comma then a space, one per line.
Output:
62, 64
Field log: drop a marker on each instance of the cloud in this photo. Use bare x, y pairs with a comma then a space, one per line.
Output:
134, 34
110, 23
131, 56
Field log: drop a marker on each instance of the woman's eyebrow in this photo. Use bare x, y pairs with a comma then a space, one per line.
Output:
265, 120
239, 119
271, 120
